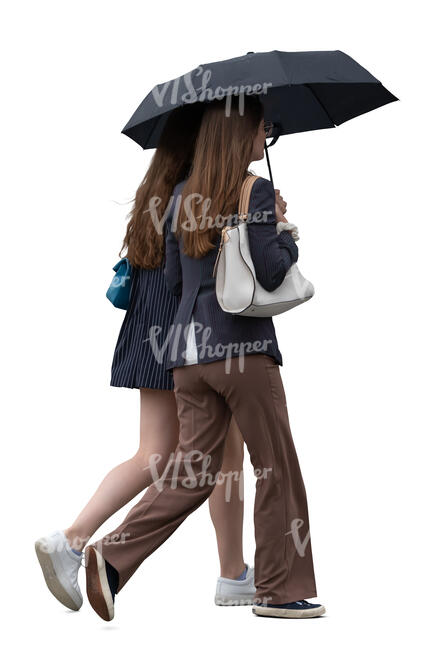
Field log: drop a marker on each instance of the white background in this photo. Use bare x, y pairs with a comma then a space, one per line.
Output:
359, 358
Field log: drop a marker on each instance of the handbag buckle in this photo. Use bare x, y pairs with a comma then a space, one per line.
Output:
225, 235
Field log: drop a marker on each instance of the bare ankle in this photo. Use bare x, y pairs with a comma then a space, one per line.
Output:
76, 541
233, 571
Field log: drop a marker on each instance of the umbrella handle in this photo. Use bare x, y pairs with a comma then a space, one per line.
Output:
269, 164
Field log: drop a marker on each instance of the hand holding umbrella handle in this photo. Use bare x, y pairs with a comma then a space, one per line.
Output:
280, 206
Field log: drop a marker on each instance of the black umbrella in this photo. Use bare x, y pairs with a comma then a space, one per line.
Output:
300, 91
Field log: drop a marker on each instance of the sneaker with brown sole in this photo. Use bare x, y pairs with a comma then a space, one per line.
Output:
102, 582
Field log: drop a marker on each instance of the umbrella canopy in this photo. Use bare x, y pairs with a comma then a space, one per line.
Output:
300, 91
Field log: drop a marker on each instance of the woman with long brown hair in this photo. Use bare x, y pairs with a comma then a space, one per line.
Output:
234, 373
136, 364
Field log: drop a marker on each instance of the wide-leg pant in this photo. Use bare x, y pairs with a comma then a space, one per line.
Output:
206, 397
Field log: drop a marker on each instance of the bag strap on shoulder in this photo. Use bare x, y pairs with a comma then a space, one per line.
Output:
245, 194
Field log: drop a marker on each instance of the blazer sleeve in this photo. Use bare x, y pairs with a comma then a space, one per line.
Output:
172, 266
272, 254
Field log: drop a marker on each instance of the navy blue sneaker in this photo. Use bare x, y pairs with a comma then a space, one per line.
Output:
102, 583
297, 609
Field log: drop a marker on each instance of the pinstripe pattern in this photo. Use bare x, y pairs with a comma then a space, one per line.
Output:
192, 278
151, 304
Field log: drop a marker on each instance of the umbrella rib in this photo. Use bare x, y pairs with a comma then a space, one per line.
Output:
288, 82
320, 103
154, 126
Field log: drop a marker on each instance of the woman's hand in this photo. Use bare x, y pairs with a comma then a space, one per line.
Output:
280, 210
280, 207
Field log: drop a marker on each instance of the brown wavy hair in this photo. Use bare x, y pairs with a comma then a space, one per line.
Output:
220, 163
170, 164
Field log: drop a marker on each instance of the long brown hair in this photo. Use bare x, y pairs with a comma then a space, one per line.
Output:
220, 163
170, 164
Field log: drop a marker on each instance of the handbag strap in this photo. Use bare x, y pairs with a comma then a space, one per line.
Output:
242, 214
245, 194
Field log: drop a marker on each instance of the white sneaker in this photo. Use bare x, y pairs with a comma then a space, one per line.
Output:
60, 566
236, 592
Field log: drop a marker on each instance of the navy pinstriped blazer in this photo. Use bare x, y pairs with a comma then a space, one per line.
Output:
218, 334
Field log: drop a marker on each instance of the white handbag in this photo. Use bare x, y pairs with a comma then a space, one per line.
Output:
237, 288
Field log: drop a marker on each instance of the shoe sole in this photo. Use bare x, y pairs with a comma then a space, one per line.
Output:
98, 591
229, 601
53, 582
272, 612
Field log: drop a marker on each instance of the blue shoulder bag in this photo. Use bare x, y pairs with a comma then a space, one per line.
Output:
120, 288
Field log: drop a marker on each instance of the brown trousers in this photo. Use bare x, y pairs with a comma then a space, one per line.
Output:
206, 397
